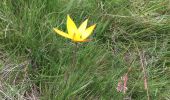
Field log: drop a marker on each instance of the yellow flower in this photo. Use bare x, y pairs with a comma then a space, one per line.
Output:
76, 34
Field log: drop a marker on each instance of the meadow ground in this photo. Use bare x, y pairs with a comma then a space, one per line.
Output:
132, 37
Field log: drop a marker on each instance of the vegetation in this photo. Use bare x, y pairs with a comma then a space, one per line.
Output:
131, 37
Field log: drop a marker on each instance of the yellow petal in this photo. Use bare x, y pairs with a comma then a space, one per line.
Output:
88, 31
61, 33
76, 36
71, 26
83, 26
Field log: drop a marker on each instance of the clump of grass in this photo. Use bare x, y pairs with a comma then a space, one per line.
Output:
123, 28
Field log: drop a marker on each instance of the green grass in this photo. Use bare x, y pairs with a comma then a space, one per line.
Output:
37, 63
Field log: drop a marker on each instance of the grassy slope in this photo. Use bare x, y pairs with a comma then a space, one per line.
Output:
126, 30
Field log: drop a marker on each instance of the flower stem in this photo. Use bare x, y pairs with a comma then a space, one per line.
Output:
72, 68
74, 63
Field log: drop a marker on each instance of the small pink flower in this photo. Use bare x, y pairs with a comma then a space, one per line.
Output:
119, 86
122, 84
